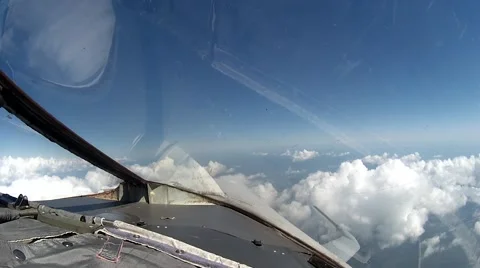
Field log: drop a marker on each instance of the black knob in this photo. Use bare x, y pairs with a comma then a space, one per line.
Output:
19, 255
257, 243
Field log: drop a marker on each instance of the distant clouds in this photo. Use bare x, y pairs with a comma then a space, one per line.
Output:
260, 153
381, 159
333, 154
291, 171
303, 155
377, 159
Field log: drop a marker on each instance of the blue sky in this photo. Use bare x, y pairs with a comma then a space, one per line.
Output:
384, 75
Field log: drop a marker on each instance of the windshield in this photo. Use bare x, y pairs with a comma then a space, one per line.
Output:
353, 121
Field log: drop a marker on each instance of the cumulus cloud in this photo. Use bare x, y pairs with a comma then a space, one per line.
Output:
388, 203
215, 168
303, 155
266, 191
12, 168
432, 245
50, 178
39, 179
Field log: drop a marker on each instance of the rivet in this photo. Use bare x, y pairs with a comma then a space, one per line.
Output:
67, 244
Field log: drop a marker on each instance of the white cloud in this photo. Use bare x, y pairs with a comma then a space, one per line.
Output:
375, 159
389, 203
265, 191
333, 154
257, 176
12, 168
432, 245
40, 178
343, 154
68, 41
215, 168
260, 153
303, 155
381, 159
291, 171
36, 177
438, 156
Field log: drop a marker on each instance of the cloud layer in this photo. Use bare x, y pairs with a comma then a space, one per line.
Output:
50, 178
303, 155
380, 198
388, 203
